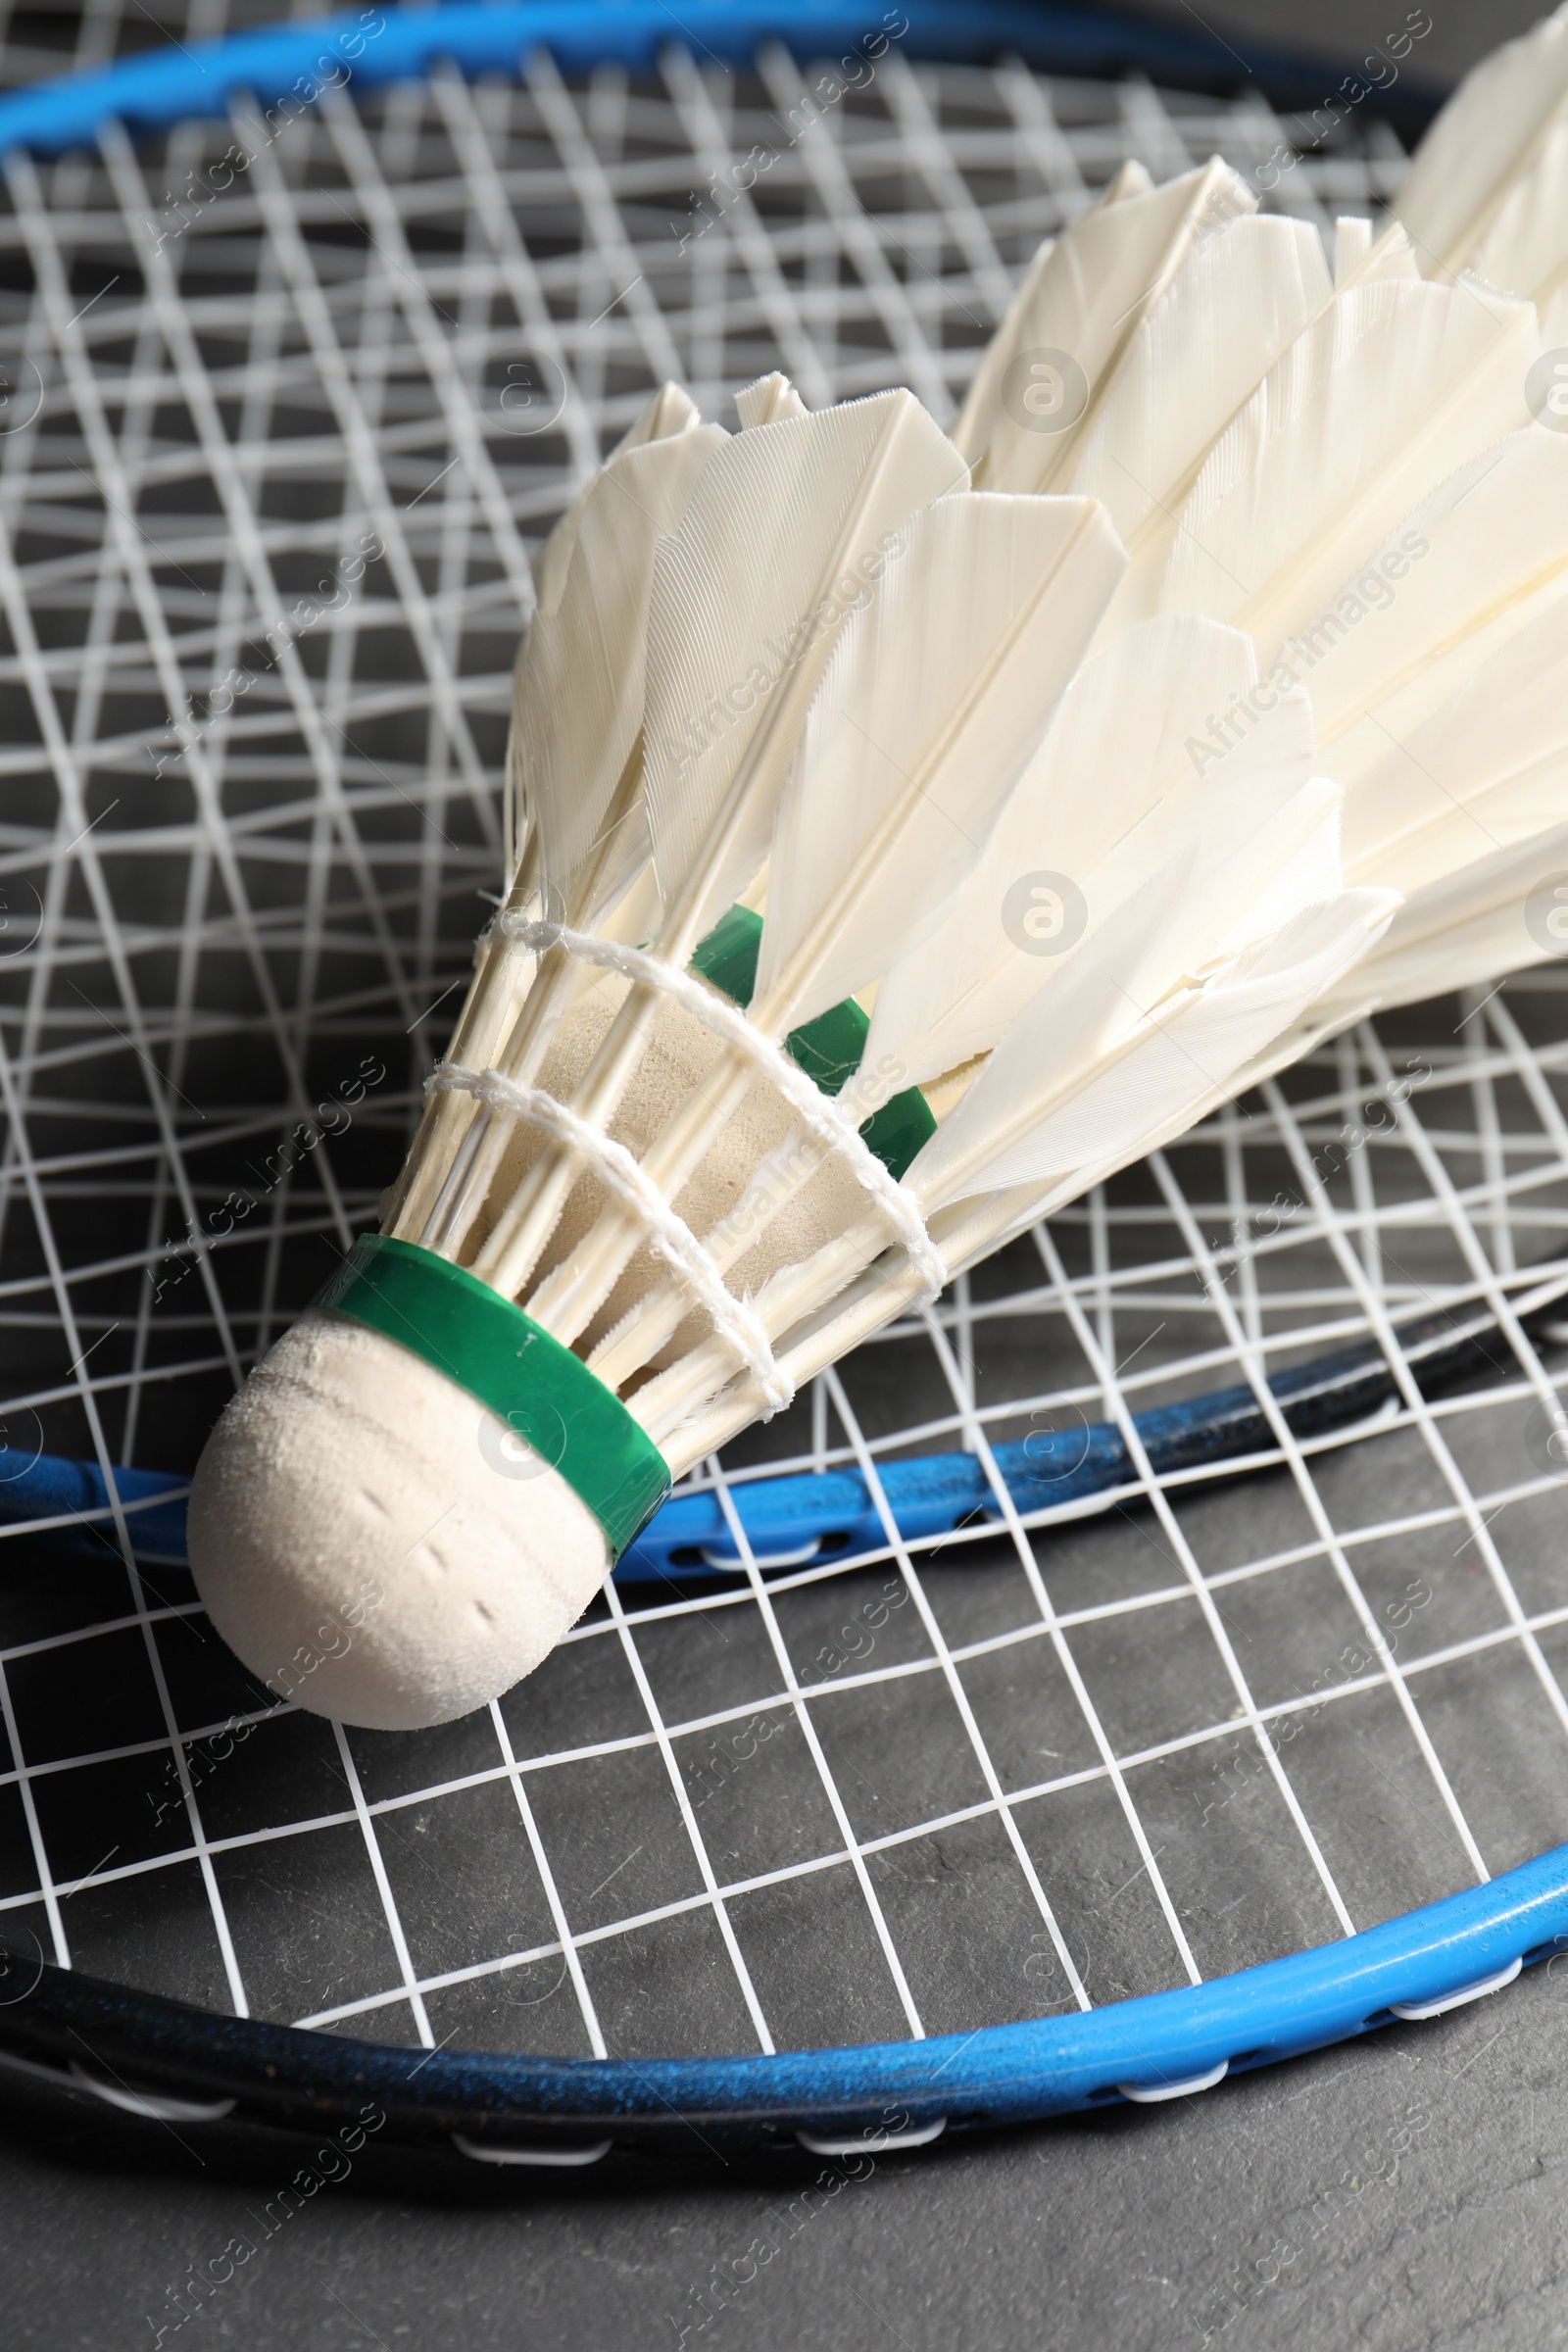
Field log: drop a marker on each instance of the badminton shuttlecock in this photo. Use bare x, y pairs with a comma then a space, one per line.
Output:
897, 859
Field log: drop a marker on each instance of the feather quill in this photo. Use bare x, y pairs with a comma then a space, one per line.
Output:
1465, 928
768, 400
578, 702
982, 403
1087, 296
1452, 582
670, 410
787, 525
936, 693
1396, 385
1485, 143
1168, 1059
1058, 1105
1525, 249
784, 530
1205, 897
1240, 296
1472, 773
1115, 751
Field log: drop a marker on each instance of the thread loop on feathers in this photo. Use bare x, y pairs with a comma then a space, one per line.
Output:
667, 1234
818, 1112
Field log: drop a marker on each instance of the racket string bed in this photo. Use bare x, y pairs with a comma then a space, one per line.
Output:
278, 441
1523, 1354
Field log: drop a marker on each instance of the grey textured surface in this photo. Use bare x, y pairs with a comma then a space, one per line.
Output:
1341, 32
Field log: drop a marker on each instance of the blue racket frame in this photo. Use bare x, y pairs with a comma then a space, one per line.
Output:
162, 2060
376, 46
175, 2063
797, 1517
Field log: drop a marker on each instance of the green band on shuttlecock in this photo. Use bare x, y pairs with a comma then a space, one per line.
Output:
460, 1326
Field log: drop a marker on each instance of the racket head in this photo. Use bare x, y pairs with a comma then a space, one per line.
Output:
292, 438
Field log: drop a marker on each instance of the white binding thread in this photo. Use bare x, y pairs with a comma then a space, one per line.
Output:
670, 1236
816, 1111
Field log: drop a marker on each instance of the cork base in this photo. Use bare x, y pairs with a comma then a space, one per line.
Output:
378, 1545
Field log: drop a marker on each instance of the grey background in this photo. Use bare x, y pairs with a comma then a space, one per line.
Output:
1343, 30
1404, 2191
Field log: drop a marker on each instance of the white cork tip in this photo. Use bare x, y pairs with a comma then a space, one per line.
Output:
376, 1544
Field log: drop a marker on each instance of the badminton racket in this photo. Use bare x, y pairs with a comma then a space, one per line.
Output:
949, 1819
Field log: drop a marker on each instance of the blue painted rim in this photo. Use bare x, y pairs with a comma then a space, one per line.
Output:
835, 1514
1001, 2075
372, 46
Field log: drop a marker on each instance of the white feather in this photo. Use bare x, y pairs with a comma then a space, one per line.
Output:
1481, 143
785, 527
1353, 250
578, 698
1240, 296
1360, 923
1390, 256
1117, 749
1199, 896
1507, 727
1515, 808
1458, 931
1395, 387
767, 402
1454, 580
1133, 179
1087, 295
982, 403
1238, 302
1526, 247
1436, 710
936, 695
1173, 1058
671, 410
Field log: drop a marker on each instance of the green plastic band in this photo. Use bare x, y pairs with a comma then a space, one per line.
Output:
462, 1327
829, 1050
